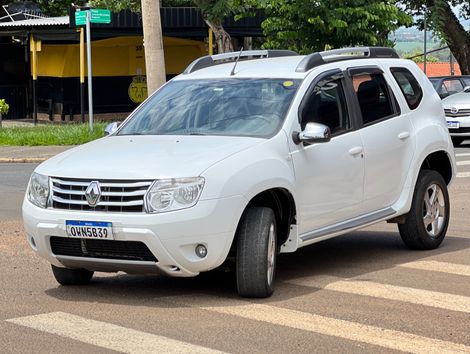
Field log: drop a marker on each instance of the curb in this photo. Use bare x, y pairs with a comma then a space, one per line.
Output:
23, 159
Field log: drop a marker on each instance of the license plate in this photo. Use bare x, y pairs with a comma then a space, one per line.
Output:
453, 124
89, 229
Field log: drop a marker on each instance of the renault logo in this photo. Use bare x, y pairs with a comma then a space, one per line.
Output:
454, 110
93, 193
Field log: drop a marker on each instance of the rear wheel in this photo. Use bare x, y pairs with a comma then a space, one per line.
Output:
67, 276
427, 221
256, 253
457, 140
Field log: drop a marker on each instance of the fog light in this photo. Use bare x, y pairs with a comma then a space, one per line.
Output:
201, 251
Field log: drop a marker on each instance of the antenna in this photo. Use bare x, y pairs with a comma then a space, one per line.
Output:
236, 61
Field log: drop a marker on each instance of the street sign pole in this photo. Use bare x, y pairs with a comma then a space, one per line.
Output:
88, 53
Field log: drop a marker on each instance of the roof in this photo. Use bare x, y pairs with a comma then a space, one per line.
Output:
282, 67
439, 69
38, 22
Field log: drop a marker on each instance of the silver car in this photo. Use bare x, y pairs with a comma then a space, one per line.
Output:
457, 110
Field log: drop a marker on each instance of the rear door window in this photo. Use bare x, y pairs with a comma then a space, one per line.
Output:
375, 99
409, 86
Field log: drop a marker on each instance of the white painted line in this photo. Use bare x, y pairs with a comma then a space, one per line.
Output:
305, 321
463, 163
390, 292
106, 335
442, 267
463, 154
463, 174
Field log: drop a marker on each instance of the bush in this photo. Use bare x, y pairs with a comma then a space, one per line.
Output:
4, 107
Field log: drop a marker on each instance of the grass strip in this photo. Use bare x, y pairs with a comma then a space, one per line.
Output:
50, 134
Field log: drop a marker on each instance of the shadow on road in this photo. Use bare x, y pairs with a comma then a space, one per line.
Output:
352, 255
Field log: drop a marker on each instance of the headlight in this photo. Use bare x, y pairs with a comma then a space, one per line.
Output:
173, 194
38, 190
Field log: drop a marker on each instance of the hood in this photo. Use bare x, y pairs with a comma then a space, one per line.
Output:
458, 100
144, 157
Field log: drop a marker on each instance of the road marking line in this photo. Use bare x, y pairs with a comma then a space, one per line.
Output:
442, 267
463, 154
106, 335
390, 292
463, 174
463, 163
305, 321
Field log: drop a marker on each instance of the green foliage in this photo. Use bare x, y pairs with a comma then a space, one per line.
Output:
51, 134
4, 107
56, 7
312, 25
117, 5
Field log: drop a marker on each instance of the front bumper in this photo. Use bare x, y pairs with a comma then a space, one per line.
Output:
171, 237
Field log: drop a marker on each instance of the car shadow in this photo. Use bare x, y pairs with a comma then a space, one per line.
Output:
351, 255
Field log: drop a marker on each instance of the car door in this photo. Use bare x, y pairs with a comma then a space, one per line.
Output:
329, 175
387, 137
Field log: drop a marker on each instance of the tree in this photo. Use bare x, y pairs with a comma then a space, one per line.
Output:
153, 44
315, 25
441, 18
214, 13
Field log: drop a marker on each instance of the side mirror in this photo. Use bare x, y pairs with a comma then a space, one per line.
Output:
466, 89
111, 128
313, 133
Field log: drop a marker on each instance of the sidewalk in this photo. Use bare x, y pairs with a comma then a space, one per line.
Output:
33, 154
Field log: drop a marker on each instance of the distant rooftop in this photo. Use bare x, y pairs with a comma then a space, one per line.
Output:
440, 69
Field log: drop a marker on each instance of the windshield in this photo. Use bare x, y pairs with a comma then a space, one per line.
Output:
234, 107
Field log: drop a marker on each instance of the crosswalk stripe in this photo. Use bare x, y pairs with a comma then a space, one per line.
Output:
106, 335
463, 174
463, 163
305, 321
436, 266
462, 154
390, 292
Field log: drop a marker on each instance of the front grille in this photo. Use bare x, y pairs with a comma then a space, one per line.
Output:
460, 130
116, 195
107, 249
460, 113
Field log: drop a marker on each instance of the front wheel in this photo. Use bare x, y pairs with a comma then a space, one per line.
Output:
67, 276
256, 252
427, 222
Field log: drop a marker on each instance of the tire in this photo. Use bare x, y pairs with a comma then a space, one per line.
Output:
457, 141
426, 223
67, 276
256, 253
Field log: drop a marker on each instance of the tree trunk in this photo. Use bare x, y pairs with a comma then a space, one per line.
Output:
153, 45
455, 35
222, 38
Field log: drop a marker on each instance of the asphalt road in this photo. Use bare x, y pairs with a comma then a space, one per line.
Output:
362, 292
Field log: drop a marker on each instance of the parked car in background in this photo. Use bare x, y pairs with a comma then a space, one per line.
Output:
457, 111
449, 85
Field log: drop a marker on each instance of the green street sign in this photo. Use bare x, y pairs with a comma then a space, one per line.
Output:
97, 16
100, 16
80, 18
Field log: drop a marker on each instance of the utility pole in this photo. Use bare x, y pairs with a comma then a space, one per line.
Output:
90, 85
425, 43
153, 45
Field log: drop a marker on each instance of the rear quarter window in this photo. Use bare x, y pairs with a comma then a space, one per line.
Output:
409, 86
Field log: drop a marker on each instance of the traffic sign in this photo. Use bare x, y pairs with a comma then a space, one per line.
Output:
100, 16
97, 16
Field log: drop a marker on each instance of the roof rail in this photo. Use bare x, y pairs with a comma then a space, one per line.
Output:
320, 58
210, 60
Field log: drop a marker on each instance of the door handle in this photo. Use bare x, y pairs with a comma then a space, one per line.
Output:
355, 150
403, 135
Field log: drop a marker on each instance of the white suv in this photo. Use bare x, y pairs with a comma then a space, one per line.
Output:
246, 155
